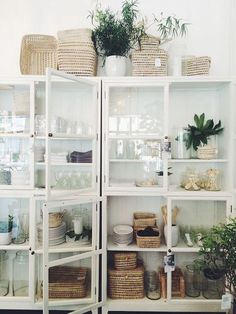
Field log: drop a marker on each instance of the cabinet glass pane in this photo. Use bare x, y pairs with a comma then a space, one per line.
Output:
14, 220
69, 281
14, 108
136, 111
15, 161
71, 227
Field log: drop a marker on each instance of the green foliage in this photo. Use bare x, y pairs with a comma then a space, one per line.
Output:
170, 27
6, 226
218, 253
201, 131
116, 34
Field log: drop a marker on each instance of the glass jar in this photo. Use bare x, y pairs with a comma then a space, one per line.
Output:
212, 180
21, 274
179, 143
4, 274
191, 281
213, 288
152, 285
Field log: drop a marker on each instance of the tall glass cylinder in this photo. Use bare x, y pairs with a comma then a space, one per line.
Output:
4, 274
179, 144
191, 281
21, 274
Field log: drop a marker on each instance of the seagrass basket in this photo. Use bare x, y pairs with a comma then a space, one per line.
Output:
126, 284
178, 284
37, 53
125, 260
142, 219
68, 282
149, 60
196, 66
148, 241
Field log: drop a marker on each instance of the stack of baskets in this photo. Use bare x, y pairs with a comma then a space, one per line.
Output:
196, 65
149, 60
37, 53
126, 278
143, 220
76, 52
68, 282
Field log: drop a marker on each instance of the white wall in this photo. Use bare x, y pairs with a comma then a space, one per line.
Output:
209, 33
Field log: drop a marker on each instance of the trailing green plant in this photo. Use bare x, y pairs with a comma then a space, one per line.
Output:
114, 33
170, 27
6, 226
218, 253
200, 132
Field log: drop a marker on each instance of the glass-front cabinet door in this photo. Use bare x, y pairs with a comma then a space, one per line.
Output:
135, 126
72, 138
72, 256
16, 132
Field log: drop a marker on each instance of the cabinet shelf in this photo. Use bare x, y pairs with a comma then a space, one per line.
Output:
65, 164
197, 161
131, 161
136, 137
133, 247
16, 247
175, 190
66, 247
14, 135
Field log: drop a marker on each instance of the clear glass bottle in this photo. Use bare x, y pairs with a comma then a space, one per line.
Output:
152, 285
4, 274
21, 274
191, 281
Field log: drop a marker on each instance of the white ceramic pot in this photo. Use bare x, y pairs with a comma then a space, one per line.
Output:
174, 234
115, 66
5, 238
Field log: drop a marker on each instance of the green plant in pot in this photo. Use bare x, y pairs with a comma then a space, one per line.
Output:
115, 33
200, 134
217, 255
6, 230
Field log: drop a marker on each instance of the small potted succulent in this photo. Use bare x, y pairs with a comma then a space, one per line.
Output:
6, 230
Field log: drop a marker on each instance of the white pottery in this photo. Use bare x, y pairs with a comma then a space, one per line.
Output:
174, 234
115, 66
5, 238
78, 224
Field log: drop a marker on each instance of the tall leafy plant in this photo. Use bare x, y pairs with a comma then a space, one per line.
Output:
200, 132
116, 33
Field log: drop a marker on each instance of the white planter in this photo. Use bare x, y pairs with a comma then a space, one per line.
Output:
5, 238
115, 66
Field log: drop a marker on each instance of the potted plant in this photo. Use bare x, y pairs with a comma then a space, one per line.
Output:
218, 255
199, 135
115, 34
6, 230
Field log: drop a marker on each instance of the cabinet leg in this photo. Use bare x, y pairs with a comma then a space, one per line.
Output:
104, 310
95, 311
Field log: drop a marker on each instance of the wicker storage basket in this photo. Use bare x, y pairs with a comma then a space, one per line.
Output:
55, 219
178, 284
144, 219
76, 52
125, 260
196, 66
68, 282
126, 284
150, 60
37, 53
146, 241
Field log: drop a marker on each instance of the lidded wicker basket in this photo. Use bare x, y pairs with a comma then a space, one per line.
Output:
149, 60
125, 260
37, 53
76, 52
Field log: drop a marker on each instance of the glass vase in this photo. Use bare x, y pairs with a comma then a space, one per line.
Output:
179, 142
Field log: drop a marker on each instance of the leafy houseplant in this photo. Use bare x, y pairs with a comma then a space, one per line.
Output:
200, 133
116, 34
218, 254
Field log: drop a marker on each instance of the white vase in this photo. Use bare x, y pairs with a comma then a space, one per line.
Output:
115, 66
174, 234
5, 238
176, 50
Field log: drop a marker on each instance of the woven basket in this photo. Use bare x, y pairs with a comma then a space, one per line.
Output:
148, 242
68, 282
76, 52
37, 53
178, 284
125, 260
196, 66
142, 219
126, 284
55, 219
150, 60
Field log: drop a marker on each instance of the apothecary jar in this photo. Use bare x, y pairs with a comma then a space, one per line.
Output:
4, 273
21, 274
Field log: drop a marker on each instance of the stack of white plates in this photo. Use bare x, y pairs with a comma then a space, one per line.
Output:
122, 235
55, 235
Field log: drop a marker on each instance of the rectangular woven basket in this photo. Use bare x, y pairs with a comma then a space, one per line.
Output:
68, 282
196, 66
125, 260
126, 284
37, 53
142, 219
148, 242
178, 284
